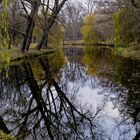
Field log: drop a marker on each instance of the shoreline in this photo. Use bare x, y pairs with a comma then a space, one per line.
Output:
130, 52
15, 55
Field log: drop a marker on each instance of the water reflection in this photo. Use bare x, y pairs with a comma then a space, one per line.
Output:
116, 79
92, 96
37, 108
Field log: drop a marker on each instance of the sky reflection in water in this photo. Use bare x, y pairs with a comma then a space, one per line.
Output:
96, 82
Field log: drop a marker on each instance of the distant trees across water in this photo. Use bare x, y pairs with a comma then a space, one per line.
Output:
46, 23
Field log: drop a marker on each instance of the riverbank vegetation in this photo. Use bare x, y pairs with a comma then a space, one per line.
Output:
15, 54
29, 29
24, 22
109, 22
50, 24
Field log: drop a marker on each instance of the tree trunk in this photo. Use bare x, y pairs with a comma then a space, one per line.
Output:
44, 41
28, 36
30, 26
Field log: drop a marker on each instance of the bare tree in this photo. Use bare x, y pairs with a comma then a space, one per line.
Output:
50, 20
30, 21
73, 17
90, 6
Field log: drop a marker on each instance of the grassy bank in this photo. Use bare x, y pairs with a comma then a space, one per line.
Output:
14, 54
130, 52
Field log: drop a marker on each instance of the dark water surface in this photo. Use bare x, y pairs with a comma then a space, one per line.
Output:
80, 94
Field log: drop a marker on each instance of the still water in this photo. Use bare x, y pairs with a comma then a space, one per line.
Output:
77, 94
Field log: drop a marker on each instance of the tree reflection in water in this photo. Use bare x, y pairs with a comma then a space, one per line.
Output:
34, 109
119, 77
41, 102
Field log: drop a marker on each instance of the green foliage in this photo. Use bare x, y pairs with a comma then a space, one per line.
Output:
126, 24
37, 32
56, 36
4, 24
117, 29
4, 33
88, 30
4, 136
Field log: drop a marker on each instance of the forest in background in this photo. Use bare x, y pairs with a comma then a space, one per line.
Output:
110, 21
41, 24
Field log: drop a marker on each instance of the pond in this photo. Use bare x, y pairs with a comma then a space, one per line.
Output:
77, 94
